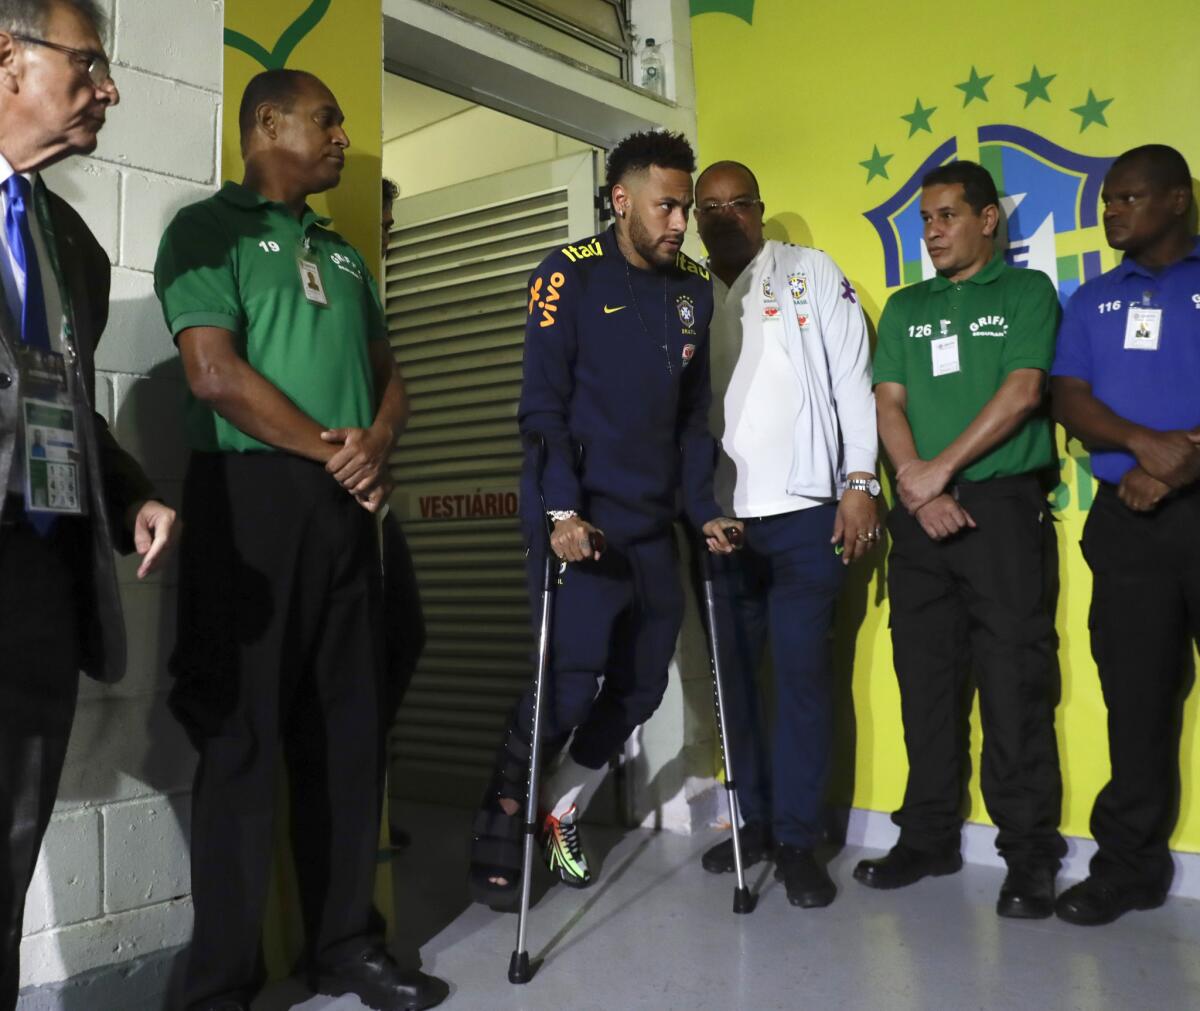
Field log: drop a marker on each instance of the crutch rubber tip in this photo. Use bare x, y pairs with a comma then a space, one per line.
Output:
744, 901
518, 968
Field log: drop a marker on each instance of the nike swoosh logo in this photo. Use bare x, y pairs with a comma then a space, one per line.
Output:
616, 308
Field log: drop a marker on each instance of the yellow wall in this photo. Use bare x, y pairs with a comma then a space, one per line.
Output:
805, 96
341, 41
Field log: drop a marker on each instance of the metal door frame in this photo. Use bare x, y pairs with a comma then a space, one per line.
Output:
448, 51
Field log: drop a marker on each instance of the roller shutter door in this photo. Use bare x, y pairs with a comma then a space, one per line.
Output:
456, 296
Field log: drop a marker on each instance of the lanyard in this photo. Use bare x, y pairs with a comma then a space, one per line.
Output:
50, 240
641, 319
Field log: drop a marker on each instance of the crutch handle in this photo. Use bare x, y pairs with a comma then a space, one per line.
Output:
734, 536
597, 542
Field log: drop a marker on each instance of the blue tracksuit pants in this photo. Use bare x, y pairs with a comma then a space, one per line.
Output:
780, 588
615, 625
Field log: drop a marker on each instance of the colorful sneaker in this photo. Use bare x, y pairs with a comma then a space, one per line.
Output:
562, 850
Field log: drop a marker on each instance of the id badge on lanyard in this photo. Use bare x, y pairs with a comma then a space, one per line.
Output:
1143, 325
310, 276
53, 455
944, 351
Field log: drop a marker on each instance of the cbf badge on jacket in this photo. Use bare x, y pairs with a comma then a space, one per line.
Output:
687, 314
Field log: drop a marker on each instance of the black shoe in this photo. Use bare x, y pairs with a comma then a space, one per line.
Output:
808, 883
757, 844
1027, 892
1095, 901
376, 979
903, 866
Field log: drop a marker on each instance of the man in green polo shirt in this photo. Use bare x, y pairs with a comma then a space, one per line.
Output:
293, 406
959, 386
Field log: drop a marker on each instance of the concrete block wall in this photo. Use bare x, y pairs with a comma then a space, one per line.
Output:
112, 881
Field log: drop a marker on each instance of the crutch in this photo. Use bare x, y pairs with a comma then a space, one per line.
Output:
743, 899
518, 965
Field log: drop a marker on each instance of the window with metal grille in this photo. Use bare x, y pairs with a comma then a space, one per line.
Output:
592, 32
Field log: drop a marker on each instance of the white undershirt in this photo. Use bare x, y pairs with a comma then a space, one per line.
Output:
12, 279
755, 393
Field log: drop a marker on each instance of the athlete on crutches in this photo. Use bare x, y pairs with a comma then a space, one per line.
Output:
616, 382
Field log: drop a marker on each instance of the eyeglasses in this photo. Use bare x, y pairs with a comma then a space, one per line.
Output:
741, 205
98, 70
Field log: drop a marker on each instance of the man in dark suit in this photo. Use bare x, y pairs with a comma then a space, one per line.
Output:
60, 611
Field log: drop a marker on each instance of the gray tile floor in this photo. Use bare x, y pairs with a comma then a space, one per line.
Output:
656, 932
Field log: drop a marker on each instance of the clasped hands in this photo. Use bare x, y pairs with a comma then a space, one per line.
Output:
360, 463
1166, 461
921, 488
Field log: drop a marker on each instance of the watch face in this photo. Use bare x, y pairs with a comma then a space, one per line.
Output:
869, 485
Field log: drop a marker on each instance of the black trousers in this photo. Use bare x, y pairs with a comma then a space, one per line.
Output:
982, 602
1145, 613
39, 679
280, 640
404, 618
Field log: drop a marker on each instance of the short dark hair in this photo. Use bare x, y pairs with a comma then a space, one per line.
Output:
277, 87
979, 188
731, 165
390, 190
28, 17
1165, 167
638, 151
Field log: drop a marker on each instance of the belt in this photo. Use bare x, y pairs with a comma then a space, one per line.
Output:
996, 486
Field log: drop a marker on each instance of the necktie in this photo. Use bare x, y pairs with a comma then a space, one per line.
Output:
35, 331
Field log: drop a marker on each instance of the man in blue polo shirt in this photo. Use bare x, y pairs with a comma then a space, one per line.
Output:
1125, 382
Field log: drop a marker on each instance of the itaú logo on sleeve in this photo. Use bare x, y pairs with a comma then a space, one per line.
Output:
990, 326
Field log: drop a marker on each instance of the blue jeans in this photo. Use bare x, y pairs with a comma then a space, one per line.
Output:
783, 584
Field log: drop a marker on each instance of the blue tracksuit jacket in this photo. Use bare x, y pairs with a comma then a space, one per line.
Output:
616, 378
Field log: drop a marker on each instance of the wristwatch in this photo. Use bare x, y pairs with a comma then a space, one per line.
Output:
868, 484
561, 514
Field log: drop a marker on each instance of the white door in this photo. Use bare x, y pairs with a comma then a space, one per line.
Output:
456, 294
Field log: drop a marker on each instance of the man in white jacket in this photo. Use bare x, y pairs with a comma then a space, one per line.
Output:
795, 414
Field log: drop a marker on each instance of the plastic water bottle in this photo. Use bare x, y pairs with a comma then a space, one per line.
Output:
652, 69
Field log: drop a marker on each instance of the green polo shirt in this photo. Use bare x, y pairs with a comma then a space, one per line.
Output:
1005, 319
232, 261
